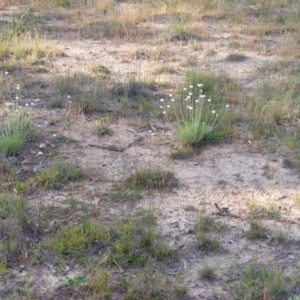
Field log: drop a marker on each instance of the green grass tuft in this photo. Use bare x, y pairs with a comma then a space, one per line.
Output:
151, 179
204, 227
58, 174
129, 242
207, 272
16, 129
126, 193
182, 153
256, 231
207, 243
235, 57
260, 282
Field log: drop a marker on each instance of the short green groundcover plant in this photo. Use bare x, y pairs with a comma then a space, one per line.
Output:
194, 115
15, 130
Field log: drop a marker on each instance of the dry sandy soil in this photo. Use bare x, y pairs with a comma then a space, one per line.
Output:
231, 175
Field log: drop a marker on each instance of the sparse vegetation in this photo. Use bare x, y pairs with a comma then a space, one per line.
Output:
124, 192
59, 173
235, 57
195, 116
130, 242
256, 231
15, 130
150, 284
14, 222
205, 223
80, 79
207, 272
204, 227
102, 127
281, 236
151, 178
182, 153
99, 69
22, 41
207, 243
261, 282
259, 212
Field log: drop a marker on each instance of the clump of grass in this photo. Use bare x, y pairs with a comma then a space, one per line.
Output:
59, 173
61, 138
274, 105
39, 70
22, 48
264, 283
22, 187
135, 88
99, 69
180, 32
235, 57
72, 240
112, 28
85, 92
151, 179
126, 193
3, 266
74, 285
147, 283
195, 116
101, 283
292, 162
297, 200
260, 212
221, 88
207, 243
53, 120
14, 222
63, 3
132, 241
164, 69
72, 84
136, 244
256, 231
102, 127
182, 153
281, 237
151, 284
207, 272
272, 211
14, 208
16, 129
134, 96
205, 224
